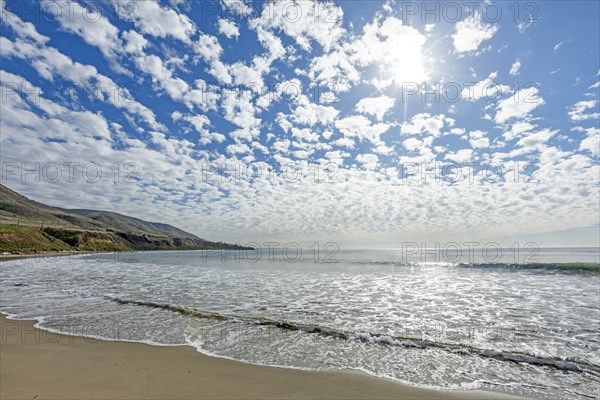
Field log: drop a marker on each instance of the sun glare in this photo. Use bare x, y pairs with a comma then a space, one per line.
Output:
400, 56
410, 67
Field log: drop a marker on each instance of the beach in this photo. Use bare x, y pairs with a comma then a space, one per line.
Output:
201, 325
44, 365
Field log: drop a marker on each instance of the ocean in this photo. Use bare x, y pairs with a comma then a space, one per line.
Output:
525, 322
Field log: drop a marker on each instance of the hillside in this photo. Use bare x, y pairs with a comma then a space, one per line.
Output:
27, 226
124, 223
15, 207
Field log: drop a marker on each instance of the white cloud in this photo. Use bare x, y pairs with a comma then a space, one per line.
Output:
559, 45
478, 139
518, 105
376, 106
201, 124
334, 70
134, 42
460, 156
514, 69
162, 76
412, 144
241, 112
281, 146
238, 7
308, 113
303, 22
518, 129
302, 154
95, 29
592, 142
208, 47
23, 29
394, 49
578, 110
272, 44
247, 76
49, 62
535, 141
360, 127
344, 142
336, 156
424, 123
154, 20
471, 32
221, 72
305, 135
228, 28
369, 161
55, 120
487, 89
239, 148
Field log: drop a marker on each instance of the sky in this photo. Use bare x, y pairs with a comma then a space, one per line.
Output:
364, 123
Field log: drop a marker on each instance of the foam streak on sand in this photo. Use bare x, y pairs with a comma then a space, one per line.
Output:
378, 338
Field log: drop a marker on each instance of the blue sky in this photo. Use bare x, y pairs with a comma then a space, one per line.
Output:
361, 122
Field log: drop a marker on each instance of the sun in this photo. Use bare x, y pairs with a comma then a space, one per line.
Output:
409, 67
400, 56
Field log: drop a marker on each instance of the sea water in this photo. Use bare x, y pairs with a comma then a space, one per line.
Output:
528, 326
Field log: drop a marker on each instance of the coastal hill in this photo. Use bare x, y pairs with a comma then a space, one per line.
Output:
27, 226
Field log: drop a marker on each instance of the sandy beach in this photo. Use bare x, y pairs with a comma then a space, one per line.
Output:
36, 364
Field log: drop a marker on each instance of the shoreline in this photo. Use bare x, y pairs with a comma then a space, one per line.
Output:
48, 254
36, 363
65, 253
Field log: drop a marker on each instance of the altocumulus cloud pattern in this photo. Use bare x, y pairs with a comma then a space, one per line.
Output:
355, 119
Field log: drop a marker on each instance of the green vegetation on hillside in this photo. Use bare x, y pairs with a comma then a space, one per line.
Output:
88, 241
26, 239
29, 240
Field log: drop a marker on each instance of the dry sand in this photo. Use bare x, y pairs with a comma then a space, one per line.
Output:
36, 364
